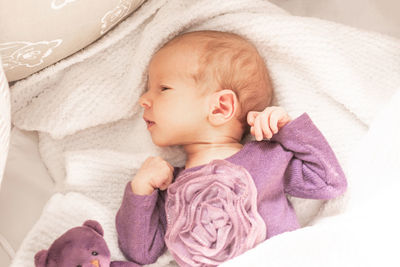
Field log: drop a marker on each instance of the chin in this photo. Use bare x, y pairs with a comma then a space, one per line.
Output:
161, 143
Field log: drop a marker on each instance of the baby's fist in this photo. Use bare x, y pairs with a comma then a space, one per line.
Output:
154, 173
268, 122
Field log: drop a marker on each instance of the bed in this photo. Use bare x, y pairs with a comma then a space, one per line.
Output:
41, 182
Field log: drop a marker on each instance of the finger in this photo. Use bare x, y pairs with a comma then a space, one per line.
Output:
265, 126
251, 116
163, 187
171, 168
273, 122
257, 129
165, 184
269, 110
284, 121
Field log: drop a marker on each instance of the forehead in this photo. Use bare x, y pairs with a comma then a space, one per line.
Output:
179, 60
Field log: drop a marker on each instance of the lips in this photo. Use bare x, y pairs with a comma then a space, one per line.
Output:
148, 122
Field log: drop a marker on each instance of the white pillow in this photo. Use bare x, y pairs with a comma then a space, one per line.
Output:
5, 121
36, 34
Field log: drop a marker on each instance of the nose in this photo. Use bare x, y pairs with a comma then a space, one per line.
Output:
144, 101
95, 263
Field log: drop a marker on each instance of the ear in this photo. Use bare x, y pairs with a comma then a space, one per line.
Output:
95, 225
222, 107
41, 258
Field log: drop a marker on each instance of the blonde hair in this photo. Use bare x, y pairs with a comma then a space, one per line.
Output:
229, 61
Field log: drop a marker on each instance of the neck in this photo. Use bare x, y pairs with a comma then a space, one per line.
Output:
202, 153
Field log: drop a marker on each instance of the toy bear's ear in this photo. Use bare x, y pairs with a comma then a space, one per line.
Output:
41, 258
95, 225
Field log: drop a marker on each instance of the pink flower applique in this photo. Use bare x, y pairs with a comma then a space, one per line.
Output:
212, 215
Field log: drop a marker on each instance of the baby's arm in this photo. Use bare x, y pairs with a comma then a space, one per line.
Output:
314, 171
141, 221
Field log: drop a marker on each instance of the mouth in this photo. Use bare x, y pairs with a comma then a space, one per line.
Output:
149, 123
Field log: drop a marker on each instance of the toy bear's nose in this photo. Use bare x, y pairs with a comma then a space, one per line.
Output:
95, 263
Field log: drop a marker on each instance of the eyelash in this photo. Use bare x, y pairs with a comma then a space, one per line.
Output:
163, 88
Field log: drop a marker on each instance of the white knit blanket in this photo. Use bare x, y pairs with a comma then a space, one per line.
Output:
92, 138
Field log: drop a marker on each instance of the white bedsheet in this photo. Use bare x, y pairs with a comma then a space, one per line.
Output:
154, 151
26, 187
5, 120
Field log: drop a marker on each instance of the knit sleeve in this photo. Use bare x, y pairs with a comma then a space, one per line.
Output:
314, 171
141, 224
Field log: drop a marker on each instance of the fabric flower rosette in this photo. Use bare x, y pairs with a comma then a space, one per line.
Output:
212, 215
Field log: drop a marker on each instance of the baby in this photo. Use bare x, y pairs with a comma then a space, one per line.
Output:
206, 91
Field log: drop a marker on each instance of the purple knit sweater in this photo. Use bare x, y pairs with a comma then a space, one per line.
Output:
297, 161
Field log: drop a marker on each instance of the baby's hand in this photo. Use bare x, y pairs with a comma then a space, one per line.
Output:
154, 173
268, 122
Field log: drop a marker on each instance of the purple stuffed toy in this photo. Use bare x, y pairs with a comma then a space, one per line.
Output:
82, 246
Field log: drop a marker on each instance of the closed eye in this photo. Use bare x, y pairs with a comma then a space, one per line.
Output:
163, 88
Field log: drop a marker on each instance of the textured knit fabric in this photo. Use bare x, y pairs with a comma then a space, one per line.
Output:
296, 161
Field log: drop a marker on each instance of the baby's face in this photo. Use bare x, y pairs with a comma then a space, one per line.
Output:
172, 102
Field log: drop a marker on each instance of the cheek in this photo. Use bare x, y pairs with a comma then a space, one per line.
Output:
192, 110
184, 113
172, 116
